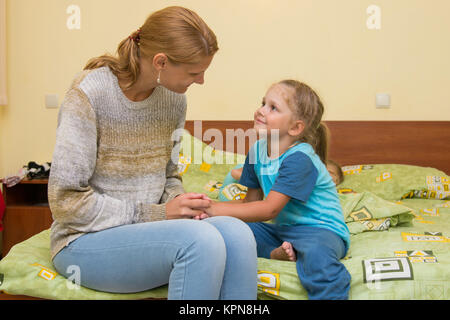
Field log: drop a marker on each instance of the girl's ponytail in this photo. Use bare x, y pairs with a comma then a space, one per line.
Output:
321, 146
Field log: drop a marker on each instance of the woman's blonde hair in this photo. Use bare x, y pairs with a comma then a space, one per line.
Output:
177, 32
308, 107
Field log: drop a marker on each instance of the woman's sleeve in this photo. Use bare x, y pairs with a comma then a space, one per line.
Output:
174, 183
72, 201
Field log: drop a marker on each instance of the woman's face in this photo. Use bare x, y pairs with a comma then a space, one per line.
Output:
178, 77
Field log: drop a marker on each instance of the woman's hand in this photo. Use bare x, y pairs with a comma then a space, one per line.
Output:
188, 206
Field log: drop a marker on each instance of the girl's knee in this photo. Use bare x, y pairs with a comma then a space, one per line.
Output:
320, 264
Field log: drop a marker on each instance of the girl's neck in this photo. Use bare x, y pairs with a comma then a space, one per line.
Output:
284, 144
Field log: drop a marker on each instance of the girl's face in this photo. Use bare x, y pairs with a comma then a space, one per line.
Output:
178, 77
274, 112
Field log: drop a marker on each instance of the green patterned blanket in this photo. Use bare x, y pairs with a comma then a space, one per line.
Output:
408, 261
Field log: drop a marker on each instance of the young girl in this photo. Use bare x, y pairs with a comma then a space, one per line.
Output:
289, 184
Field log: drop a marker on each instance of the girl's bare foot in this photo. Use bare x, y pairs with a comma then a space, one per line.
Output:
284, 252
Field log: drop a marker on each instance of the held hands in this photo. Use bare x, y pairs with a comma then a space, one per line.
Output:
188, 206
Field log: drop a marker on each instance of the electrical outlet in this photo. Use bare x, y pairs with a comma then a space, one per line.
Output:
51, 101
383, 100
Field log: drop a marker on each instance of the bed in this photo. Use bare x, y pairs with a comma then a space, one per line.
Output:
395, 198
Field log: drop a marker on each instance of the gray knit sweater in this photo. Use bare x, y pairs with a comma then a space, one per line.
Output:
112, 163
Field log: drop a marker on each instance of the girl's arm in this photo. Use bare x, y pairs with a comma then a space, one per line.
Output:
252, 195
252, 209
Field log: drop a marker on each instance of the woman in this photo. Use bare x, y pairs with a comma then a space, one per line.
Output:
120, 212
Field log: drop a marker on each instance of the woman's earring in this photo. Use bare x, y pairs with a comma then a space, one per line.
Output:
158, 80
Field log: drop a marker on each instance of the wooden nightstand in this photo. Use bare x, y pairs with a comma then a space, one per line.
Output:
27, 212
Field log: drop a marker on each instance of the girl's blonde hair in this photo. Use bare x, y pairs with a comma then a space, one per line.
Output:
177, 32
308, 107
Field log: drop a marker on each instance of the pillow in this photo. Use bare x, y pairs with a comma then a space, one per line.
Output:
367, 212
231, 189
202, 168
396, 181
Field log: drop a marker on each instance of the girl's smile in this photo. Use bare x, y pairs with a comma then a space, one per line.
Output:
257, 121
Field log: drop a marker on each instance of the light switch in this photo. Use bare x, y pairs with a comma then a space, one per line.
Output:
383, 100
51, 101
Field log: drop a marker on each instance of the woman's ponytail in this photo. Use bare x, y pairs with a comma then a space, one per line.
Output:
125, 65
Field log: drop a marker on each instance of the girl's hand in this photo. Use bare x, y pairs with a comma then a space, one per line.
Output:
187, 206
209, 212
203, 215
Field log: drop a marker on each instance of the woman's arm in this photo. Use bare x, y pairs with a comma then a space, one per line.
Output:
252, 195
252, 208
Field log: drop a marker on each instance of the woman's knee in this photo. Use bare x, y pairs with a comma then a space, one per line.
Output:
233, 230
204, 239
60, 263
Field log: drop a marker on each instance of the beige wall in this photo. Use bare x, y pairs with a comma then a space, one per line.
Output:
325, 43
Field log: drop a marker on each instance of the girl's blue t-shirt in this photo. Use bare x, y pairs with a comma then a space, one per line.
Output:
300, 174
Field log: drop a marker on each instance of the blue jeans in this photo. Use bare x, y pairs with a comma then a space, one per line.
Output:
318, 251
206, 259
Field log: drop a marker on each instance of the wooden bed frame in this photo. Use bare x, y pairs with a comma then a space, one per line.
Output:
421, 143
